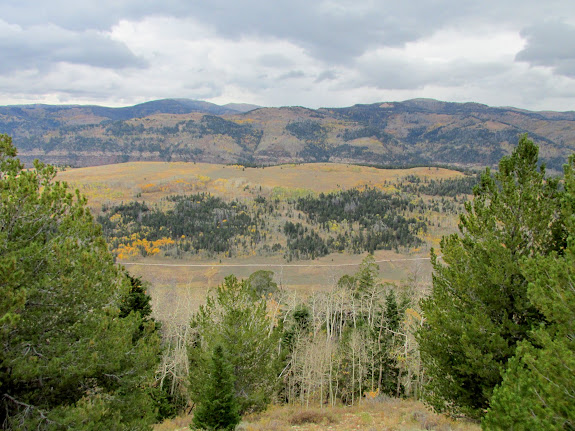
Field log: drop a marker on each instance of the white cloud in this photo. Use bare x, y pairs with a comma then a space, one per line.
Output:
327, 53
41, 46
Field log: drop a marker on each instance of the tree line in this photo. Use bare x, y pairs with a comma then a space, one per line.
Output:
380, 216
194, 223
450, 187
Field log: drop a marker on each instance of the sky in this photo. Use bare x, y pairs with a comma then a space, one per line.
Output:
313, 53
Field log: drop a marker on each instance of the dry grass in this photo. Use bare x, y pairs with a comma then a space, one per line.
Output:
315, 416
177, 424
179, 290
151, 181
396, 415
380, 415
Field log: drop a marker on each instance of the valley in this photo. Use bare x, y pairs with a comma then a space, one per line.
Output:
179, 280
273, 216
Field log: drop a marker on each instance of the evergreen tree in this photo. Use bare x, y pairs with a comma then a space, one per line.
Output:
392, 315
67, 358
479, 309
137, 299
538, 389
388, 342
366, 276
218, 408
235, 318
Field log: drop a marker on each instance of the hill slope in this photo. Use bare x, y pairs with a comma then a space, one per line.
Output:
414, 132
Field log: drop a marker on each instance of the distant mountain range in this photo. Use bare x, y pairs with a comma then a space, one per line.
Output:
414, 132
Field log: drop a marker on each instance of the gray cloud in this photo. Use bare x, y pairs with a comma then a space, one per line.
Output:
326, 75
87, 14
401, 74
334, 31
550, 44
280, 52
274, 60
40, 46
292, 74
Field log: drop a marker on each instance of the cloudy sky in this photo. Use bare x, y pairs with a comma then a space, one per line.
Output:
276, 52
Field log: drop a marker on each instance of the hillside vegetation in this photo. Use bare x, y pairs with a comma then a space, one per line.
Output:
180, 273
414, 132
240, 211
492, 340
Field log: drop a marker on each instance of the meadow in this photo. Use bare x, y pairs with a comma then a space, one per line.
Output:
152, 181
177, 281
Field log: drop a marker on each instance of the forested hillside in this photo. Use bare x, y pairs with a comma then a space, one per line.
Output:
353, 221
414, 132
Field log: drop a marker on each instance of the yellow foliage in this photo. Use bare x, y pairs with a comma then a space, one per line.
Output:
203, 178
334, 226
370, 395
244, 121
413, 313
162, 242
141, 247
116, 217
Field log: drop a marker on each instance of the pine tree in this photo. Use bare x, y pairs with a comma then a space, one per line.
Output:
366, 276
538, 388
137, 299
67, 358
218, 407
235, 318
479, 309
389, 339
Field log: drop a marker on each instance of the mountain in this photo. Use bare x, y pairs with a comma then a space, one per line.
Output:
414, 132
241, 107
164, 106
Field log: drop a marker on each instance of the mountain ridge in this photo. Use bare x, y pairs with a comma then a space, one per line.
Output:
412, 132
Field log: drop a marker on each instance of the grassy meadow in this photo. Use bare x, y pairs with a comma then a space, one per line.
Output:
180, 285
152, 181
